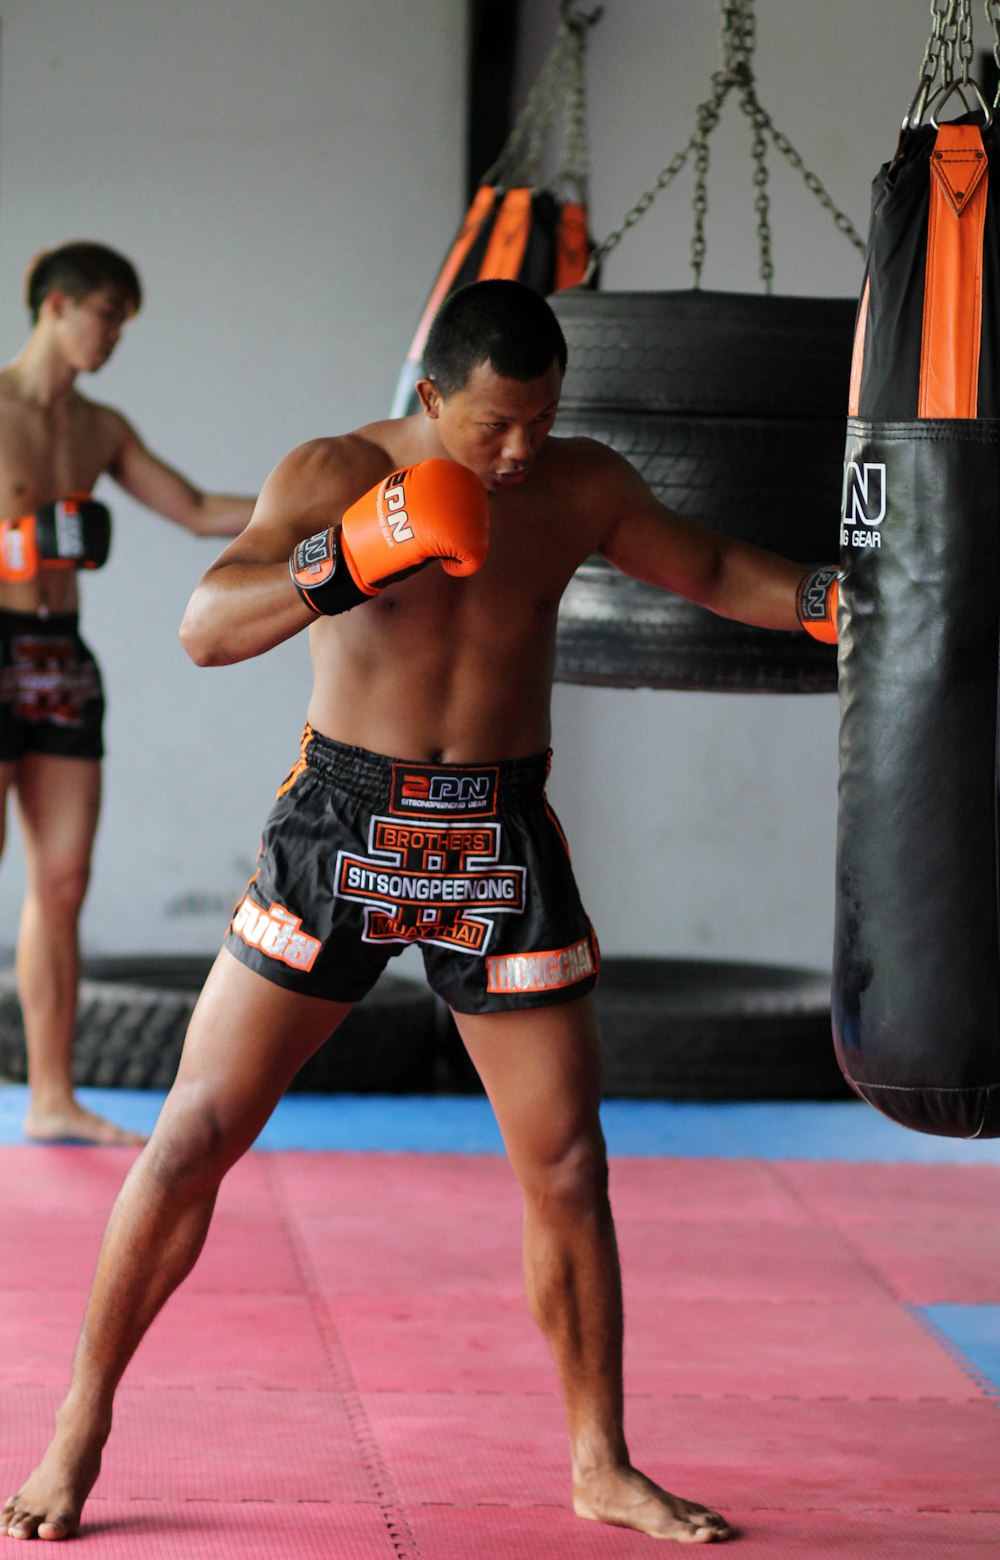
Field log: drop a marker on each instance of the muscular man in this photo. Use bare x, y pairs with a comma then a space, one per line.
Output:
417, 813
54, 444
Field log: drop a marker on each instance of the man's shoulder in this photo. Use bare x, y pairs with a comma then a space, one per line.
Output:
578, 457
340, 453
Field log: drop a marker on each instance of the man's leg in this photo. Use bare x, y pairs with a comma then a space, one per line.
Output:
542, 1072
58, 804
246, 1041
7, 773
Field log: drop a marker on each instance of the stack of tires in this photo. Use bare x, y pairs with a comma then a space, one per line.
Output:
733, 409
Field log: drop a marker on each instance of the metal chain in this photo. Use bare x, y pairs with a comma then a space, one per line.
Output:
574, 156
762, 204
931, 63
965, 39
737, 39
947, 63
812, 183
558, 89
700, 201
707, 111
993, 17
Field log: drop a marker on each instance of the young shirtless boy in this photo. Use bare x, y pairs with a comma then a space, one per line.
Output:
417, 813
54, 445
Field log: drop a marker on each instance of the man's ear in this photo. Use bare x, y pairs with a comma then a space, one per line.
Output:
54, 304
430, 397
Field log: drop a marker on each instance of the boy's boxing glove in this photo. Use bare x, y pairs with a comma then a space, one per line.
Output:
816, 603
71, 533
437, 509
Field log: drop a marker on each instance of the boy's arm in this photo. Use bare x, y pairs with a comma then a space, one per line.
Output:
149, 479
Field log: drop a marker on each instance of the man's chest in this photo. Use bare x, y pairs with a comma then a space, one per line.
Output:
43, 457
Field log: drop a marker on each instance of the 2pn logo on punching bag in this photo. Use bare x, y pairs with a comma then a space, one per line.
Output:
864, 504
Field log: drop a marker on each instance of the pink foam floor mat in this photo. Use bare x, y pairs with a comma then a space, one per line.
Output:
351, 1370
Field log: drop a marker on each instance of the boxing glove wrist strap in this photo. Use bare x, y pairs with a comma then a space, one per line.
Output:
321, 575
816, 603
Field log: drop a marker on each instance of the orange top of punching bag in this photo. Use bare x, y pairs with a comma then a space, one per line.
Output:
953, 283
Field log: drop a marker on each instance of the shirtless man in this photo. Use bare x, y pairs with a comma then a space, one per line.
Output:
450, 670
54, 443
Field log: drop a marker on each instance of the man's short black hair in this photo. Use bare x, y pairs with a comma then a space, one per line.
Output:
78, 269
505, 324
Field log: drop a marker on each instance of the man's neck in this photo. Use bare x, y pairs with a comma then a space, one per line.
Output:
42, 373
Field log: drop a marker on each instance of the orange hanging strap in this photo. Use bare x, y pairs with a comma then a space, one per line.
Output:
478, 214
509, 238
572, 246
953, 284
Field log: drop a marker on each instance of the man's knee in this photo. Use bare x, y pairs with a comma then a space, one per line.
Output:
61, 888
190, 1150
572, 1182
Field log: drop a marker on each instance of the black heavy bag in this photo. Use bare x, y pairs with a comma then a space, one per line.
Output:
916, 1009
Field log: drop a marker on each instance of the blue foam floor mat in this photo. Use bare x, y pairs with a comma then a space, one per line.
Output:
973, 1331
841, 1131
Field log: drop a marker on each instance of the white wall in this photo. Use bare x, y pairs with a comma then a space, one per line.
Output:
287, 178
705, 823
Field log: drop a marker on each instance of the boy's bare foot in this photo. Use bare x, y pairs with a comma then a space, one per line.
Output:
71, 1123
626, 1498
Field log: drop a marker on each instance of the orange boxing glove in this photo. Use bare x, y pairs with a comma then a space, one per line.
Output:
816, 603
72, 533
18, 550
435, 510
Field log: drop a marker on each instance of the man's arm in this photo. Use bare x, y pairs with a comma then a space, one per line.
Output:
316, 547
246, 603
729, 577
150, 480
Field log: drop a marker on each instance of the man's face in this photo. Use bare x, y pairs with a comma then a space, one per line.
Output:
90, 327
496, 426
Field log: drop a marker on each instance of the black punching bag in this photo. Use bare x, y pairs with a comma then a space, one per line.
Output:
916, 1006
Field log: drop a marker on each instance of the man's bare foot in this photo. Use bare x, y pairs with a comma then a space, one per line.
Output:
626, 1498
70, 1123
49, 1504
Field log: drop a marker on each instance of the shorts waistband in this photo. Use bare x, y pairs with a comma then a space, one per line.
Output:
38, 622
418, 790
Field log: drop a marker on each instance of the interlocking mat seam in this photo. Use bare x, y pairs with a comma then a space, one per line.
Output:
370, 1451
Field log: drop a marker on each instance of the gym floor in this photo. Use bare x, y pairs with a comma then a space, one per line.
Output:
813, 1337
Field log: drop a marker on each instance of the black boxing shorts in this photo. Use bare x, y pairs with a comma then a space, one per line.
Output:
363, 855
51, 698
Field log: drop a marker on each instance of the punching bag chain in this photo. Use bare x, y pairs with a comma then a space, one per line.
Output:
558, 90
947, 62
736, 42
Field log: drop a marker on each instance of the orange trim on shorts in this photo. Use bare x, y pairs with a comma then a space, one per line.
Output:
300, 765
953, 286
551, 969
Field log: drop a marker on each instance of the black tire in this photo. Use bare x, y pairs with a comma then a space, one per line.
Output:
134, 1012
733, 409
615, 631
704, 1029
707, 353
700, 1029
